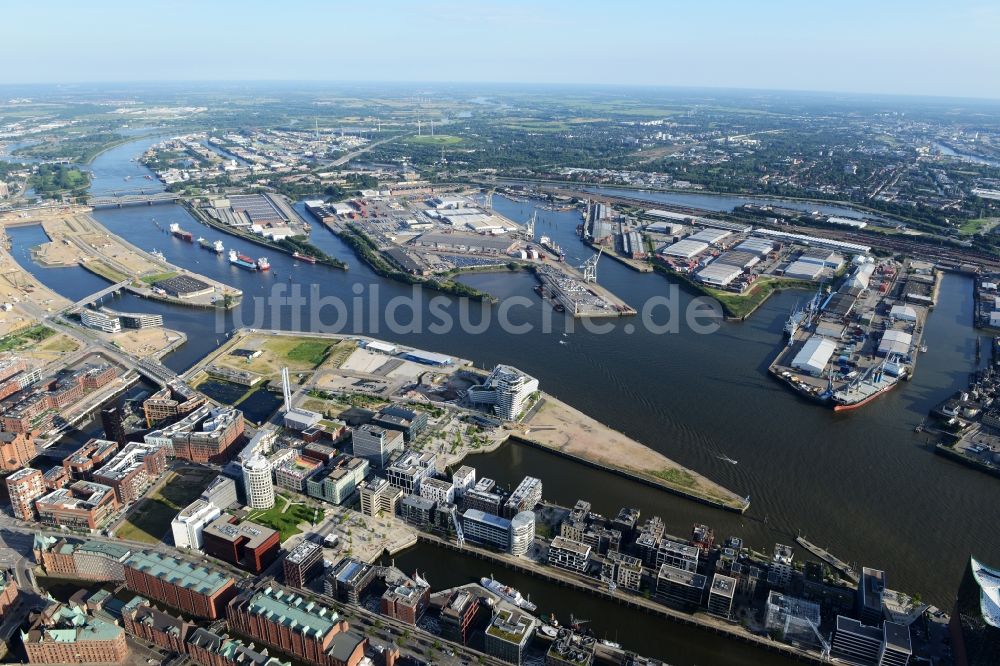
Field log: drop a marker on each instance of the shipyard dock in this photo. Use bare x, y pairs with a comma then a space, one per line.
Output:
568, 291
846, 347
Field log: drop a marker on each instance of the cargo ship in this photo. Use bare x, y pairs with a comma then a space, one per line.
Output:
263, 264
242, 261
176, 230
551, 246
304, 257
508, 594
876, 381
215, 247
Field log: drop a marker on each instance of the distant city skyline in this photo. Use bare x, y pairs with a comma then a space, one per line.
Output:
892, 47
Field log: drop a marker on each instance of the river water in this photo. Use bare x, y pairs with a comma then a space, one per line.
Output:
864, 484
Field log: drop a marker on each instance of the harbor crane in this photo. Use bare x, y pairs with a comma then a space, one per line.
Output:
529, 226
589, 267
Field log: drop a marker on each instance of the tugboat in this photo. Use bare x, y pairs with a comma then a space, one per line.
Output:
242, 261
304, 257
176, 230
263, 264
507, 593
157, 254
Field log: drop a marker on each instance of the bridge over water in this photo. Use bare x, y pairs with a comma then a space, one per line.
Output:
133, 198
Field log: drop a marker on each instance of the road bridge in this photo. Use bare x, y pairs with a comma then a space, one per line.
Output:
140, 198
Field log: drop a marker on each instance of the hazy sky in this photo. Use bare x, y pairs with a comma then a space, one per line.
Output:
918, 46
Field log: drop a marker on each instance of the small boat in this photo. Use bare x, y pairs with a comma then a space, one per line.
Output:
263, 264
728, 459
610, 644
923, 349
549, 630
216, 247
157, 254
562, 342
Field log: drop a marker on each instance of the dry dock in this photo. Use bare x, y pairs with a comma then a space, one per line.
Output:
566, 289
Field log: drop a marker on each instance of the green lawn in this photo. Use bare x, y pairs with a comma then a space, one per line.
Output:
25, 337
284, 521
156, 277
436, 140
105, 271
312, 352
150, 520
970, 227
740, 305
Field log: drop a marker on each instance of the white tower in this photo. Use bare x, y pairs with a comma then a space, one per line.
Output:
257, 483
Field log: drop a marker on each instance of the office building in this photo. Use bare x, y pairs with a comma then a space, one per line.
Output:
303, 563
508, 635
338, 483
101, 321
82, 463
379, 497
680, 588
780, 571
246, 544
506, 389
132, 470
871, 589
625, 571
174, 400
348, 580
720, 595
463, 479
863, 645
975, 619
83, 505
189, 524
568, 554
192, 589
404, 599
113, 422
513, 536
205, 435
221, 492
62, 634
410, 422
24, 487
257, 483
138, 320
320, 452
677, 554
482, 500
376, 444
56, 478
412, 467
437, 490
525, 497
16, 450
304, 629
792, 618
458, 615
292, 473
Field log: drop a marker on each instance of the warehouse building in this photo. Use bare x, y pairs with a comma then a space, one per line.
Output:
685, 249
814, 355
710, 235
719, 275
758, 246
895, 342
803, 270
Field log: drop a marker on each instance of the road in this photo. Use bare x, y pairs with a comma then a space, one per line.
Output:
340, 161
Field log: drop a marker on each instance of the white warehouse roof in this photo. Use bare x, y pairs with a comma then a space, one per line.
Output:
814, 355
756, 245
895, 342
712, 236
804, 270
685, 248
903, 312
719, 274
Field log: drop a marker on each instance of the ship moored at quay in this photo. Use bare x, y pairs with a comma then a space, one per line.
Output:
848, 346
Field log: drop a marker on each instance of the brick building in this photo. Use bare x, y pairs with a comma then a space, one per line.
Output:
304, 629
206, 435
192, 589
132, 470
24, 487
154, 626
247, 544
16, 450
82, 463
175, 399
62, 635
83, 505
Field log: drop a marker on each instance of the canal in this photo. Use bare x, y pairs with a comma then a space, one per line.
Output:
863, 484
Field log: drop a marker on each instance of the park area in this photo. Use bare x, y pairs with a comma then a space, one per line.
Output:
150, 520
286, 516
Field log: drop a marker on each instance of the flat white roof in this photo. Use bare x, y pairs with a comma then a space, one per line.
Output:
895, 342
720, 274
685, 248
804, 269
710, 235
815, 354
381, 347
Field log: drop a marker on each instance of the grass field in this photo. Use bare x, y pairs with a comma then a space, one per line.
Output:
980, 224
156, 277
436, 140
25, 337
150, 519
284, 520
105, 271
740, 305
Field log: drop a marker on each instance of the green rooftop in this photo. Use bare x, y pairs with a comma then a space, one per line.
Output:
180, 573
111, 550
290, 610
